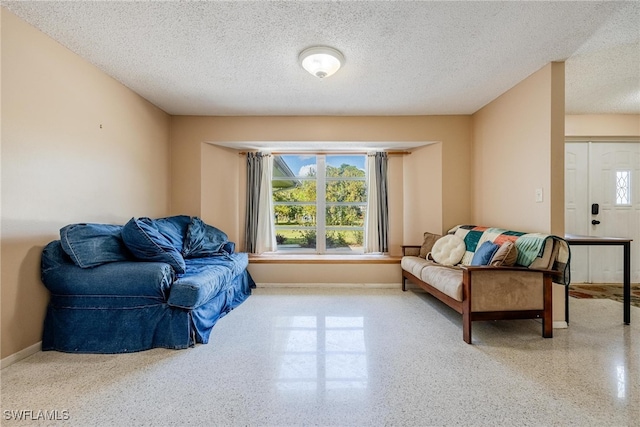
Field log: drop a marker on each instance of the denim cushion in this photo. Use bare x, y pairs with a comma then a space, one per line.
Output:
90, 245
484, 253
206, 278
147, 243
204, 240
174, 228
148, 282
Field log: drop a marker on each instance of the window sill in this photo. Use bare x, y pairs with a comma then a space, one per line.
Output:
322, 259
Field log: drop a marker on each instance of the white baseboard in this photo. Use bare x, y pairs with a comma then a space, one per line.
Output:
331, 285
22, 354
560, 324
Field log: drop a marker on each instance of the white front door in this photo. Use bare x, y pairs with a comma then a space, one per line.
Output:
576, 196
602, 198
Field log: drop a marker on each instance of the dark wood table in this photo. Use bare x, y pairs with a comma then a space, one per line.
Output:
575, 240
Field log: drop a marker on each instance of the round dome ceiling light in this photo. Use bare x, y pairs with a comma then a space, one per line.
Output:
321, 61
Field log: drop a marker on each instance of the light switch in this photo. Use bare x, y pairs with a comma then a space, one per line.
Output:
538, 195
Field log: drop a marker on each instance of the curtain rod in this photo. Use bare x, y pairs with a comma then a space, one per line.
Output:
335, 153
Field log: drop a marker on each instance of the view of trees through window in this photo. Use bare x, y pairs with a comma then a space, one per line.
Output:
319, 203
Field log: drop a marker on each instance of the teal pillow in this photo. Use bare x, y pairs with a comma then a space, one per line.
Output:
484, 253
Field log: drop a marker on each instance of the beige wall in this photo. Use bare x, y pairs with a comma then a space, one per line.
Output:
519, 147
423, 171
209, 180
77, 146
602, 126
370, 274
222, 197
557, 137
431, 183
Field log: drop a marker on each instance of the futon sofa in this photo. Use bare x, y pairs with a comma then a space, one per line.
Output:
487, 273
150, 283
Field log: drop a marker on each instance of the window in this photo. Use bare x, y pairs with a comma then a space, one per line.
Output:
319, 203
623, 187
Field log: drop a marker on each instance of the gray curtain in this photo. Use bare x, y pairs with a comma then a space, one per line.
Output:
383, 206
254, 175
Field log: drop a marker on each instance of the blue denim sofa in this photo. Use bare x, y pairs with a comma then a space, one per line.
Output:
150, 283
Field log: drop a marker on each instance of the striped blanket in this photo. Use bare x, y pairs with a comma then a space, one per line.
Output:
530, 247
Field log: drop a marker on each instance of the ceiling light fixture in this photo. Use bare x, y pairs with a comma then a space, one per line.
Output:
321, 61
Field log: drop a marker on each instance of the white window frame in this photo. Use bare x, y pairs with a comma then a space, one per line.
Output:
321, 204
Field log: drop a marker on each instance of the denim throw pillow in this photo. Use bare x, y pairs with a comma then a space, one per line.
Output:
174, 228
484, 253
204, 240
90, 245
147, 243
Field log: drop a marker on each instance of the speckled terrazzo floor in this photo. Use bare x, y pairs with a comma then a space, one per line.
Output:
350, 357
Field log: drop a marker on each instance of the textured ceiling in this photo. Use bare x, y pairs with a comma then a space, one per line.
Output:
402, 58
